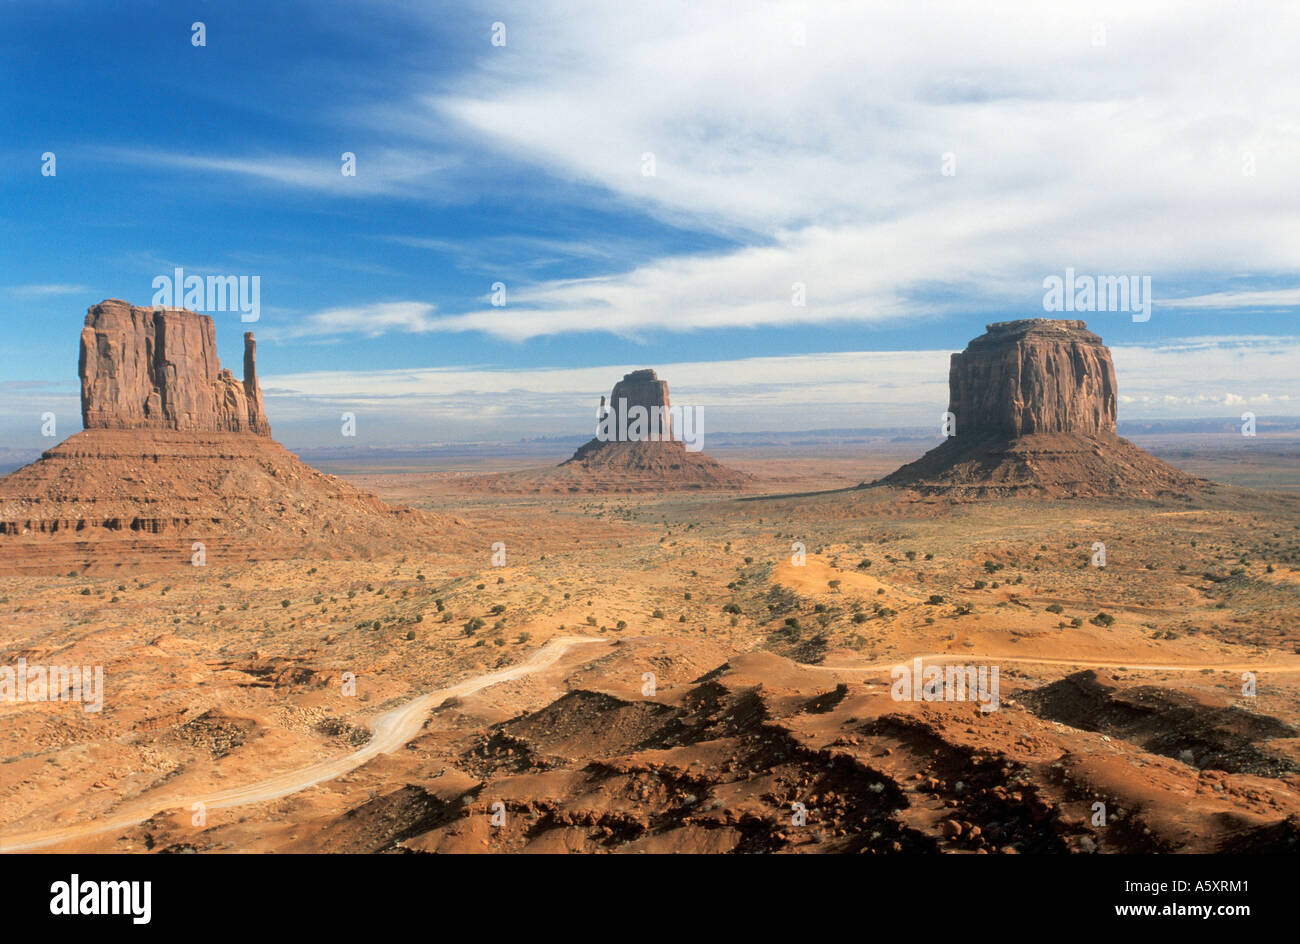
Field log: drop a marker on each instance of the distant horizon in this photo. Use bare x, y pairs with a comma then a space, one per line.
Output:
899, 389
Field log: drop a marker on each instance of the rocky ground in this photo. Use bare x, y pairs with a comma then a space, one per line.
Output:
1121, 685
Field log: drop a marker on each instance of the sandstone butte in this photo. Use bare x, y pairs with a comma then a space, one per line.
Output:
145, 368
646, 464
1034, 404
626, 465
175, 450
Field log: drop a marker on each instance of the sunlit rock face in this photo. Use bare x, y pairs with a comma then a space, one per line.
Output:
147, 368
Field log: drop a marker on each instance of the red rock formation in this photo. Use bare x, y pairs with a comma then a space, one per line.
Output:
653, 463
144, 368
177, 451
1034, 405
642, 388
1034, 376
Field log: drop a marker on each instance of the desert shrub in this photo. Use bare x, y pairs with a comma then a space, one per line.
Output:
657, 614
1056, 608
1102, 619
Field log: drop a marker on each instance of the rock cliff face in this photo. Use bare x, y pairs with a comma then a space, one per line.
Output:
642, 388
1034, 404
177, 451
1034, 376
144, 368
643, 460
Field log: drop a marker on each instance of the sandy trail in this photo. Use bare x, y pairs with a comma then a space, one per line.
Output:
394, 728
388, 732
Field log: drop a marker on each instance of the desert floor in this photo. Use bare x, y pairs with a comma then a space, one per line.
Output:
675, 672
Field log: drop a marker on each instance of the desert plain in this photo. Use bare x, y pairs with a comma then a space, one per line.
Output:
685, 672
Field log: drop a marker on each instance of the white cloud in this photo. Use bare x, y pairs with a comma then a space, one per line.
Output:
368, 320
1276, 298
45, 291
378, 170
825, 158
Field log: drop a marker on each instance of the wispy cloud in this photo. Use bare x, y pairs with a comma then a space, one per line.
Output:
1276, 298
370, 321
43, 291
378, 171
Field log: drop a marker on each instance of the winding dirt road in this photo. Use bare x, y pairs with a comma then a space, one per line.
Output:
394, 728
388, 732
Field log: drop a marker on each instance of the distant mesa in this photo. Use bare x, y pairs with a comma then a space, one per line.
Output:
175, 450
639, 449
648, 455
1034, 406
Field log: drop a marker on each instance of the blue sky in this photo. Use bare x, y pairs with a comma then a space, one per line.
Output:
792, 142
